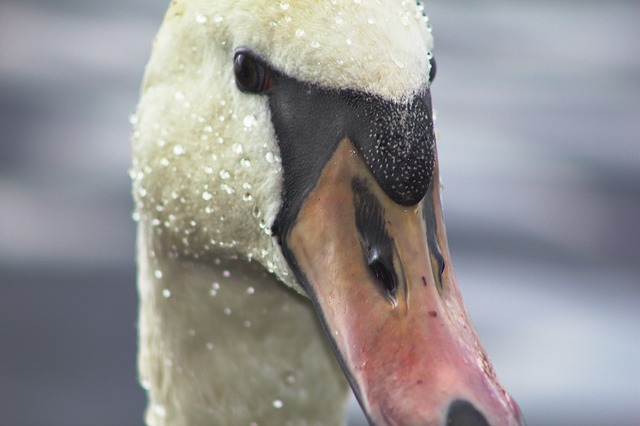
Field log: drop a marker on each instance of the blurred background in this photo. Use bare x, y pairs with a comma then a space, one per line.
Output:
538, 107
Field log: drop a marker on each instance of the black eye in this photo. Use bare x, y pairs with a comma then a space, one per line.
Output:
432, 71
251, 75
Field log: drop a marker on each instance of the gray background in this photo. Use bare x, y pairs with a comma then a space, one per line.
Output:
538, 108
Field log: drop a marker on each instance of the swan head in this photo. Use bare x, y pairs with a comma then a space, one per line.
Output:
299, 134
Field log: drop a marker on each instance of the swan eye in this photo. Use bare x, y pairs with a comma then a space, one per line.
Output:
432, 70
252, 76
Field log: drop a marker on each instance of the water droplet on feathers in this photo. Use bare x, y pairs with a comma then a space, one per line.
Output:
249, 121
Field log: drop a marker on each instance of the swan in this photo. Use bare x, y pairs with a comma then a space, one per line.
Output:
290, 239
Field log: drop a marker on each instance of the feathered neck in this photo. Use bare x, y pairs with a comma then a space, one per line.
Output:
227, 344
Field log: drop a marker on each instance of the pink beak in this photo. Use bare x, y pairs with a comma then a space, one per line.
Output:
389, 300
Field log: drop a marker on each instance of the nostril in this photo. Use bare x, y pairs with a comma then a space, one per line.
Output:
382, 269
463, 413
377, 245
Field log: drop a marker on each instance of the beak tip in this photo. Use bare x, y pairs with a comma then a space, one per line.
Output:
463, 413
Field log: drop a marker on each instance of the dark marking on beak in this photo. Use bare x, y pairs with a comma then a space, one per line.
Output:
377, 245
437, 260
463, 413
397, 142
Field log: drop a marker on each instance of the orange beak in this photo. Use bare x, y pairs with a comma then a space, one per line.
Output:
381, 279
